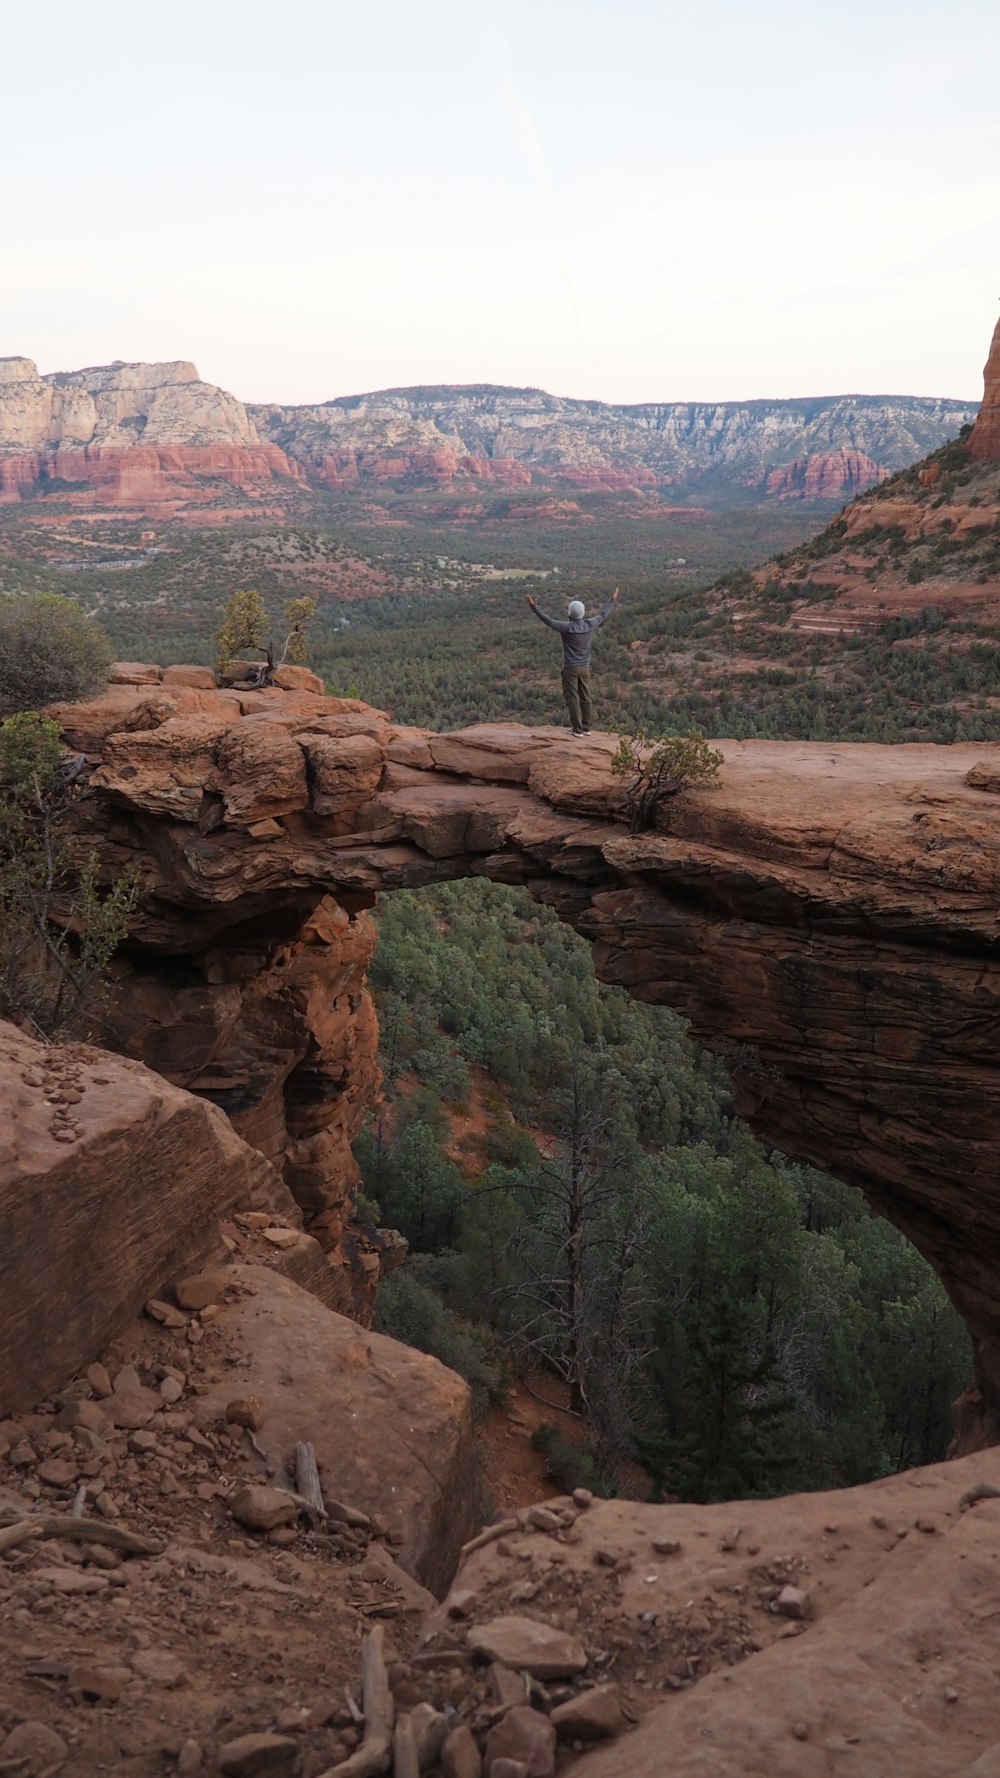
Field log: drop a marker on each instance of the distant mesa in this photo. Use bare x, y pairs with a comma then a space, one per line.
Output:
825, 475
155, 435
124, 434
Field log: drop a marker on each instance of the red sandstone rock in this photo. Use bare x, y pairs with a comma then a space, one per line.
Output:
290, 678
261, 1508
529, 1646
201, 678
345, 770
524, 1737
260, 771
138, 673
825, 475
88, 1227
316, 1374
985, 439
592, 1715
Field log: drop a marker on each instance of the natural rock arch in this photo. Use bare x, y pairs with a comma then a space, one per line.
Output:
826, 914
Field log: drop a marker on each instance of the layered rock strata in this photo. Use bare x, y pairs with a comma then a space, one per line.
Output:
140, 435
826, 475
130, 434
505, 435
826, 915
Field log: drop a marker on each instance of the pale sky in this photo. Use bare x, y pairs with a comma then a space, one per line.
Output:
633, 200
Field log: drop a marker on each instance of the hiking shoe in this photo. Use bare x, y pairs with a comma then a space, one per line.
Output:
585, 731
580, 731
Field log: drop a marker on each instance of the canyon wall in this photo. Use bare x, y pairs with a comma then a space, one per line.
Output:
140, 435
507, 434
825, 916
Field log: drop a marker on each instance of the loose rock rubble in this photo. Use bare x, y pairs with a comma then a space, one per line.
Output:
166, 1604
171, 1603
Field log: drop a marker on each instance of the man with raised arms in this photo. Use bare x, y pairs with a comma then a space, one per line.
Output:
577, 632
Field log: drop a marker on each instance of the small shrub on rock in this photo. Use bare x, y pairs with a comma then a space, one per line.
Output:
656, 770
50, 652
242, 631
59, 925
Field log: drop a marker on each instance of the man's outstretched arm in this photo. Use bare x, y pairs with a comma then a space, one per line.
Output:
554, 623
606, 610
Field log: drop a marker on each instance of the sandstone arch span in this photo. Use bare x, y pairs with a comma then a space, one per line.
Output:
827, 914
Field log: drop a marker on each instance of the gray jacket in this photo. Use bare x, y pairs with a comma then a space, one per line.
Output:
577, 634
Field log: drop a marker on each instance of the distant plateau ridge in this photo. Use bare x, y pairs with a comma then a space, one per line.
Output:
149, 435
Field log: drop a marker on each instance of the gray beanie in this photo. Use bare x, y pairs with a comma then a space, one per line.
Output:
577, 608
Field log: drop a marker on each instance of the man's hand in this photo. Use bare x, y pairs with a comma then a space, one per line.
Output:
614, 597
531, 601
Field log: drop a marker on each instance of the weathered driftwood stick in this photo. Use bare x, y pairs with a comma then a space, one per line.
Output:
488, 1536
374, 1756
307, 1479
89, 1531
406, 1760
15, 1534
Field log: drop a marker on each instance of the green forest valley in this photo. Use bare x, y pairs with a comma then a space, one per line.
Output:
740, 1324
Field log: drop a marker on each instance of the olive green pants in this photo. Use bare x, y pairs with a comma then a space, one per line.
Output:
576, 691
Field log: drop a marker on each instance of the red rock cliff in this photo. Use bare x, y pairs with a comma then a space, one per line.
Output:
985, 439
825, 475
127, 435
826, 915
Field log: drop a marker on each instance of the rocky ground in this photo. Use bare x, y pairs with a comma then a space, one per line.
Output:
170, 1605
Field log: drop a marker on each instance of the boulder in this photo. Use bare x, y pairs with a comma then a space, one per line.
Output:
198, 1291
134, 673
525, 1736
250, 1754
259, 771
200, 678
392, 1428
291, 678
529, 1646
261, 1509
163, 770
593, 1715
460, 1756
90, 1226
344, 770
33, 1747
